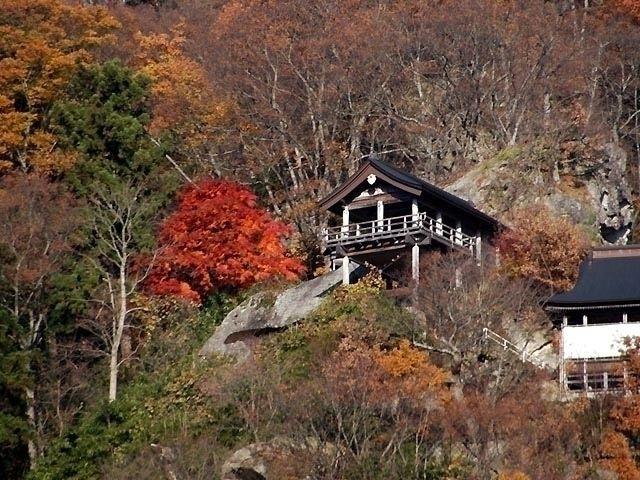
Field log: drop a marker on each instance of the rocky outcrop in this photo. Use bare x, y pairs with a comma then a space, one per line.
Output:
612, 196
243, 474
277, 458
264, 312
537, 344
594, 192
248, 462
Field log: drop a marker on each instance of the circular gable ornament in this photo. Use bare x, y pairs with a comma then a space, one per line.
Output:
372, 179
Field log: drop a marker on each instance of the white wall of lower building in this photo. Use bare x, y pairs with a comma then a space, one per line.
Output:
597, 341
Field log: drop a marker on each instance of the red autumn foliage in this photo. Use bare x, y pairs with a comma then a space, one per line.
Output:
219, 238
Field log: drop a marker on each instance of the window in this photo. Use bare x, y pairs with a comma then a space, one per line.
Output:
574, 319
599, 317
594, 376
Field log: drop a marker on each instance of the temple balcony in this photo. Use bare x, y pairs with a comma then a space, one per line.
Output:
405, 229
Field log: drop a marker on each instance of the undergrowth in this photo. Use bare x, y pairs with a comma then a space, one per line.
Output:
161, 401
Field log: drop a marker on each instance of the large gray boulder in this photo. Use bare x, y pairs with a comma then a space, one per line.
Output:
263, 312
267, 460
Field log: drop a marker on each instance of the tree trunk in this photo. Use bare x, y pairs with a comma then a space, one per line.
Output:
113, 373
120, 320
30, 397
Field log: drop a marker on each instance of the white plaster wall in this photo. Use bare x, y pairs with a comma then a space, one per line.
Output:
597, 341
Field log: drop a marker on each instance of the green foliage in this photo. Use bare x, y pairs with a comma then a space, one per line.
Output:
361, 310
166, 401
364, 309
106, 118
71, 286
15, 375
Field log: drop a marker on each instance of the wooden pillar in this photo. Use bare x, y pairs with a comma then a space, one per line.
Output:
380, 215
458, 232
415, 212
439, 223
479, 245
345, 221
561, 367
345, 270
415, 250
457, 277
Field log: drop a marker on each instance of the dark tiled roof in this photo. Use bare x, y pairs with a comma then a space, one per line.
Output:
603, 281
431, 189
416, 183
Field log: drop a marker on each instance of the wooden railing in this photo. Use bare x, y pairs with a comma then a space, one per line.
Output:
595, 382
388, 228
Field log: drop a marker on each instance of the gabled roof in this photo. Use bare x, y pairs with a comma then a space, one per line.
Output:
608, 277
403, 181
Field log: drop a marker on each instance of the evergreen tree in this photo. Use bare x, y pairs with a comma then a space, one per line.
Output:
14, 379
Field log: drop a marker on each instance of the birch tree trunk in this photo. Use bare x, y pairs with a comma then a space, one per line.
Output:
120, 321
121, 213
30, 398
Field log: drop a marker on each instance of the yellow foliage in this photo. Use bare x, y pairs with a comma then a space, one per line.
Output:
182, 96
41, 46
512, 475
369, 285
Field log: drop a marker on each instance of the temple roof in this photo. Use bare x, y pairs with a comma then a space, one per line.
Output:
608, 277
404, 181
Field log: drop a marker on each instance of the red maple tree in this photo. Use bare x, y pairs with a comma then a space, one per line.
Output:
219, 238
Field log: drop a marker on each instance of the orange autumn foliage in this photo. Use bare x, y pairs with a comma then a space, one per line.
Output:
219, 238
357, 369
629, 7
512, 475
182, 97
542, 248
41, 43
616, 456
410, 370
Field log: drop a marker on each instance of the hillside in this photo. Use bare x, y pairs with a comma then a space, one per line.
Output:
341, 394
161, 162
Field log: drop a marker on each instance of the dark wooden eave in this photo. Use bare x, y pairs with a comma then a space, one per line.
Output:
404, 182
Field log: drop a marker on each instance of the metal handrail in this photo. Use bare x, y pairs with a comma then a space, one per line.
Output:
488, 334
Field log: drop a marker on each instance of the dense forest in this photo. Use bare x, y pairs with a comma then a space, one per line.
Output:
161, 161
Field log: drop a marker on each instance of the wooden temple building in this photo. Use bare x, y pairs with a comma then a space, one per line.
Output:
387, 218
596, 317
